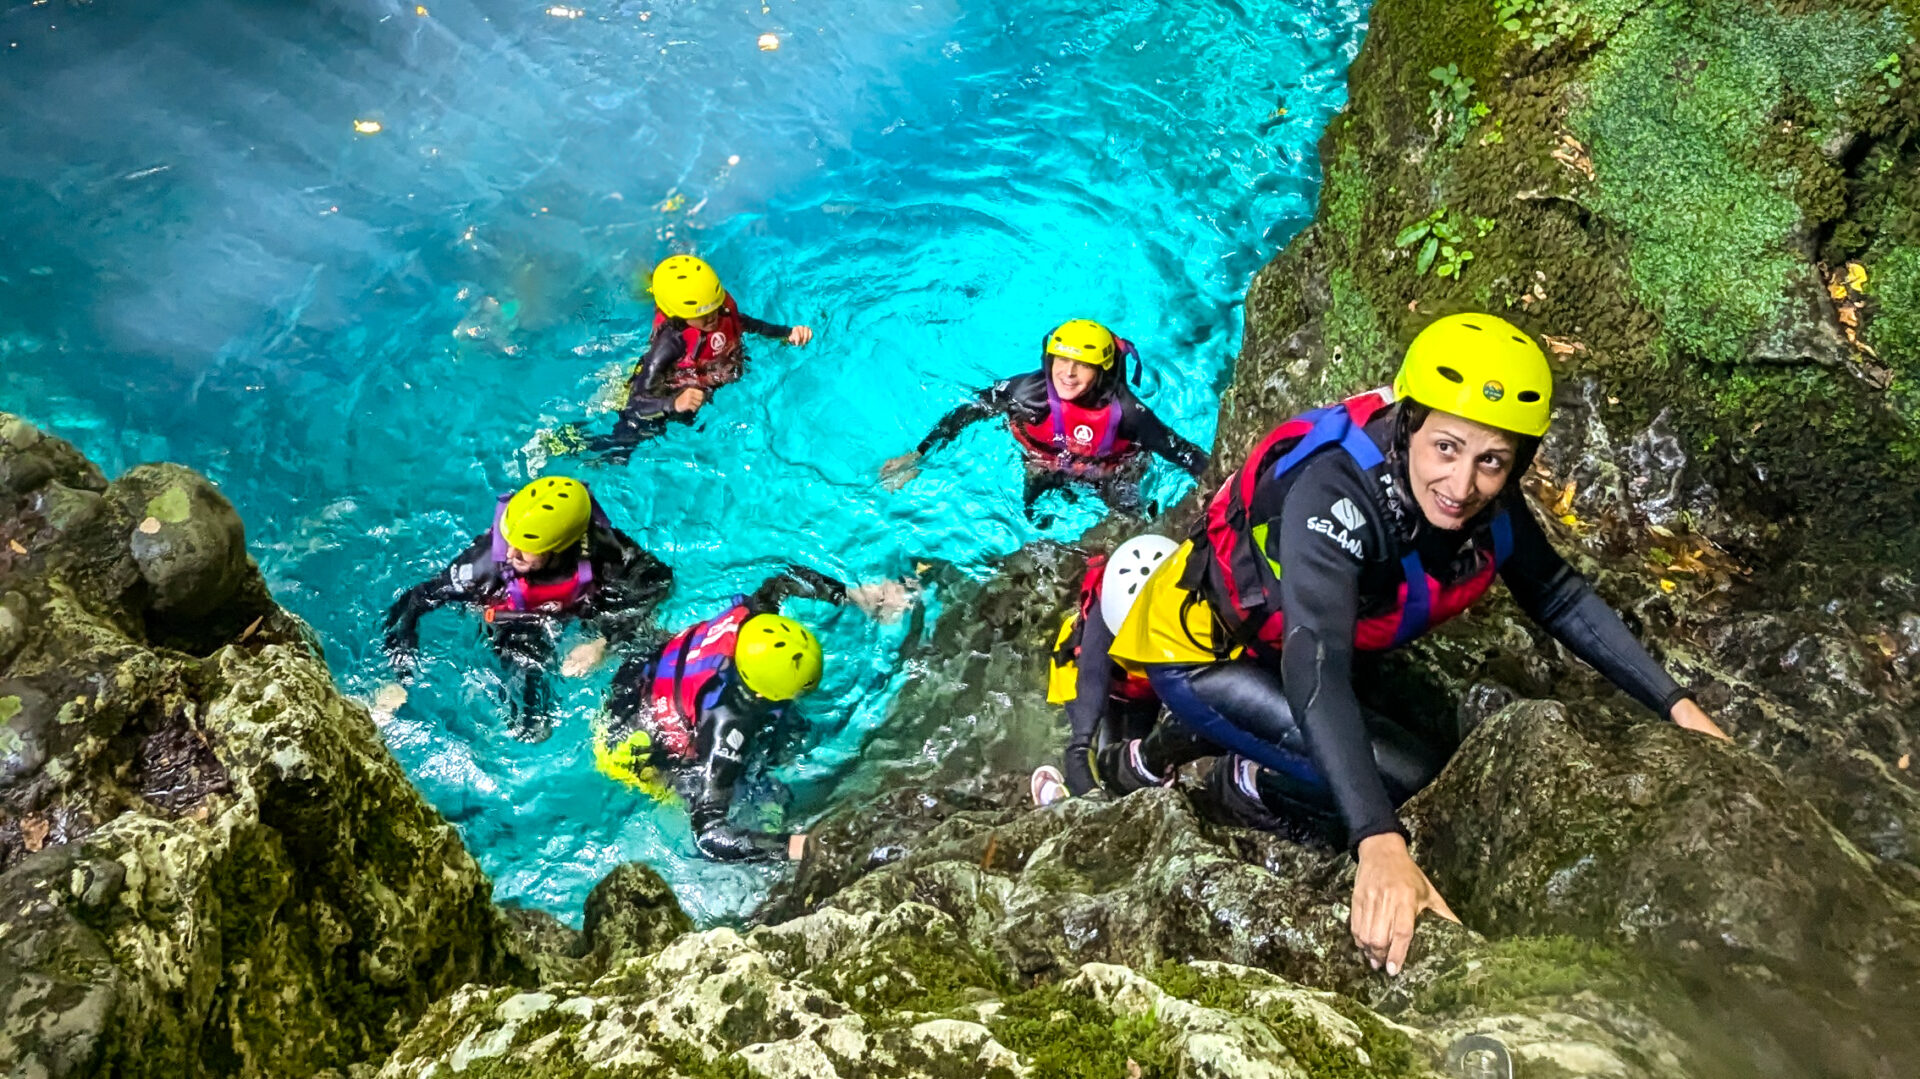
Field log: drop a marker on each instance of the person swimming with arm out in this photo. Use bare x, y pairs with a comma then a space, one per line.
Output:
1074, 419
550, 555
1358, 527
695, 708
696, 348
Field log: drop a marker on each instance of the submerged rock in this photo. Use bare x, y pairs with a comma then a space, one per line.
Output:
209, 863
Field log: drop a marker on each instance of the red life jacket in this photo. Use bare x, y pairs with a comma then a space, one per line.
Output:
712, 358
690, 664
1085, 442
1233, 570
1122, 684
523, 595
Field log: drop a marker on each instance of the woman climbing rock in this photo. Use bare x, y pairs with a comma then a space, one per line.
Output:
1358, 527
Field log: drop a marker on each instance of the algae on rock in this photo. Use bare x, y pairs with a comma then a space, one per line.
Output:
209, 863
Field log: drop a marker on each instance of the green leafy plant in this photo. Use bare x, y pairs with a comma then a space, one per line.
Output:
1452, 116
1542, 22
1889, 71
1442, 243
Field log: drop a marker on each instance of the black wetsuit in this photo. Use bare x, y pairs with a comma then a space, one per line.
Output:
1023, 399
1356, 764
1097, 716
649, 406
628, 583
731, 720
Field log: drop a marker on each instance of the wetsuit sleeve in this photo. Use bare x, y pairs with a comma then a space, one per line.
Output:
762, 327
797, 582
467, 579
1321, 554
1556, 596
631, 583
1141, 426
1088, 708
725, 732
993, 401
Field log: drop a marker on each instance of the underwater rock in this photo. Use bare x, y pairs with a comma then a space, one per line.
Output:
209, 863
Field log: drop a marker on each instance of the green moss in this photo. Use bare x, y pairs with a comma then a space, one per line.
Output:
1388, 1052
1064, 1036
1679, 105
1895, 285
1532, 968
905, 974
1360, 351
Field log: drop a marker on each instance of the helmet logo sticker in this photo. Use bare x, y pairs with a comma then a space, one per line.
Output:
1493, 391
1082, 433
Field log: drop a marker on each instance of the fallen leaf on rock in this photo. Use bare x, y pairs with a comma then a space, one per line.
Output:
1856, 277
1838, 291
16, 546
1133, 1069
33, 833
1661, 530
251, 627
1666, 585
150, 526
1563, 346
1563, 506
1849, 316
1905, 759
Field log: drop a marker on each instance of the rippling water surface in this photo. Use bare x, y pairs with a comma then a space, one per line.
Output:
209, 254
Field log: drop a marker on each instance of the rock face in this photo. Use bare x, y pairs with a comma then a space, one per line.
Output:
209, 864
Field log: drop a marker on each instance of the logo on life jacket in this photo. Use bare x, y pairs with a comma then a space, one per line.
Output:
1242, 585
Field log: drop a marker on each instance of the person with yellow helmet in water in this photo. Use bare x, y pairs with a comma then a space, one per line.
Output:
696, 348
551, 554
1355, 528
1074, 419
698, 706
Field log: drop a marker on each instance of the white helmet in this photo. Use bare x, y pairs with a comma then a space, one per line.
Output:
1127, 571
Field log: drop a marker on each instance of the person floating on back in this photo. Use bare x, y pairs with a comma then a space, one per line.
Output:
696, 708
696, 349
1356, 528
550, 555
1074, 419
1107, 700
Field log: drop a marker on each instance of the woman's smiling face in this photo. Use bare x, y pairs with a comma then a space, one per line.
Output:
1456, 467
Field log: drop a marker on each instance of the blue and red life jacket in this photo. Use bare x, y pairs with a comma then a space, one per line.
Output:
555, 597
1242, 584
689, 672
1082, 441
712, 358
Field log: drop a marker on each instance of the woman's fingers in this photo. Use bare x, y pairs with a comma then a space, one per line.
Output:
1401, 937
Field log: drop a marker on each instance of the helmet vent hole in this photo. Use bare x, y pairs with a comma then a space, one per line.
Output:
1470, 325
1450, 374
1529, 396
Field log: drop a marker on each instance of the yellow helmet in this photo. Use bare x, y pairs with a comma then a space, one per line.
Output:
686, 287
547, 514
778, 659
1085, 340
1482, 368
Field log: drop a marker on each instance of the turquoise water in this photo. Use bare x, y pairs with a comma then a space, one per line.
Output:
361, 336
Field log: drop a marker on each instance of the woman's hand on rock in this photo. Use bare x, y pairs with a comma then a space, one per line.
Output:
1389, 892
1695, 718
899, 471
